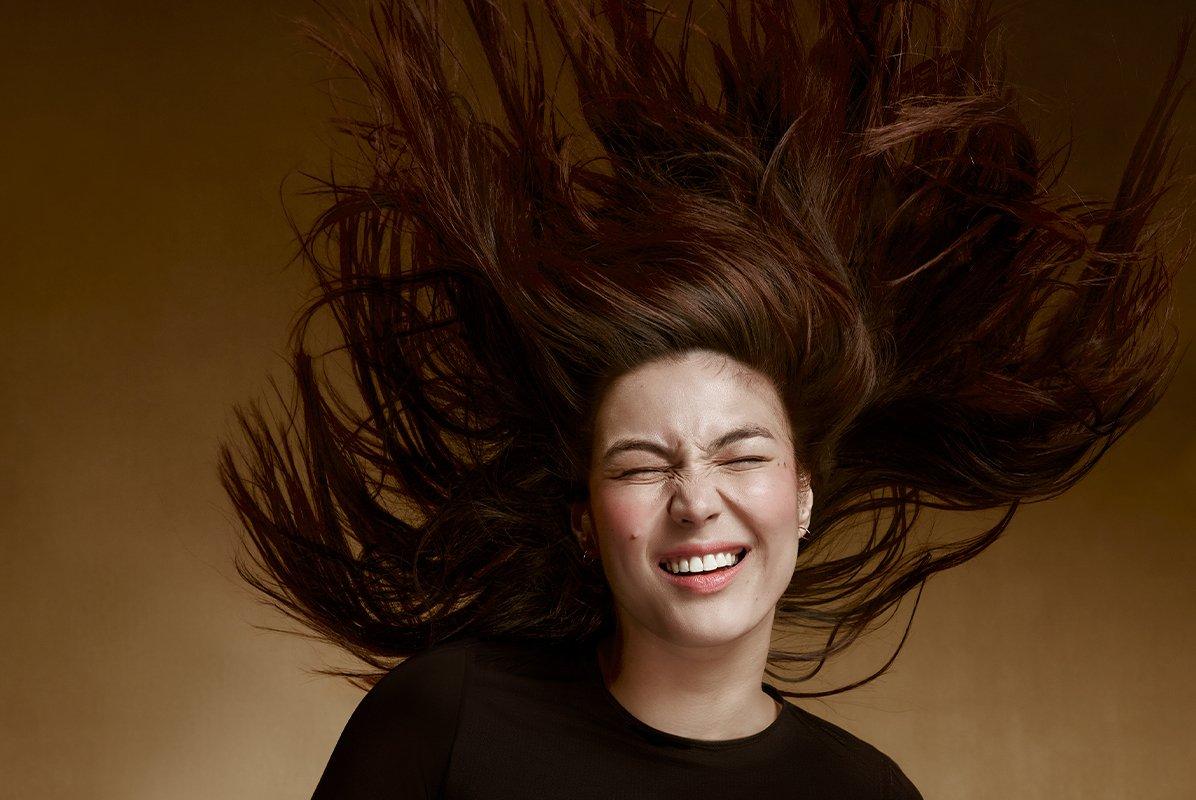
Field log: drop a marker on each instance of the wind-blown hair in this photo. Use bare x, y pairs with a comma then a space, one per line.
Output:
863, 217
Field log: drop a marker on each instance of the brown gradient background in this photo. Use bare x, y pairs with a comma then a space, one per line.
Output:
144, 293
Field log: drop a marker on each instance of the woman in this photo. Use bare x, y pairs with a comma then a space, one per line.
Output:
842, 293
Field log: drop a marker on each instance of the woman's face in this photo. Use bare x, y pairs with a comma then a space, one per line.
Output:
689, 453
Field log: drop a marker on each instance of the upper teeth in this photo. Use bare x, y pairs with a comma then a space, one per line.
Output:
702, 563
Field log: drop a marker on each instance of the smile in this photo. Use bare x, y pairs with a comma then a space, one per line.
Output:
705, 582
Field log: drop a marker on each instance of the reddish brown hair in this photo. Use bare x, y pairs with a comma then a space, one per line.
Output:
862, 217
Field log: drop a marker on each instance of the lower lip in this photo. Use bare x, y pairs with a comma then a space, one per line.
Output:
703, 582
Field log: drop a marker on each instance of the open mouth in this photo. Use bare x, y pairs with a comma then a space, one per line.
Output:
738, 558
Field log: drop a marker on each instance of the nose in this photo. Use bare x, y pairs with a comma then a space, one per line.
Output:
694, 502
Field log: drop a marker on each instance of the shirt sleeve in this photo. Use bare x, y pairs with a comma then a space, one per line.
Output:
900, 787
397, 742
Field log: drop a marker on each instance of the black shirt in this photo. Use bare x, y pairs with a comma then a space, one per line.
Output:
484, 720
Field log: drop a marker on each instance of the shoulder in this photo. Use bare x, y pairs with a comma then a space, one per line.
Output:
422, 694
839, 748
402, 731
424, 686
836, 739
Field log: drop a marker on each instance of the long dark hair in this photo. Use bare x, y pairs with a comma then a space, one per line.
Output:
864, 218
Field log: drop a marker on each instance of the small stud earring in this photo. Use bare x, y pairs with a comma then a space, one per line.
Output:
583, 542
801, 534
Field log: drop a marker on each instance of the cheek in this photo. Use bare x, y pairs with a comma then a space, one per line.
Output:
771, 495
625, 514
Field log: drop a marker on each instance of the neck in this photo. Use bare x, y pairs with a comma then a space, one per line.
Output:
707, 692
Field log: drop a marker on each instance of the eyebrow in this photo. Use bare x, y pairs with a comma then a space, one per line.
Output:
734, 435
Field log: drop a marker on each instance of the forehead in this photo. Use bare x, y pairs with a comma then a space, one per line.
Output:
696, 397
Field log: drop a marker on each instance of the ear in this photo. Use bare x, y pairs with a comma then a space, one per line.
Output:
805, 501
580, 519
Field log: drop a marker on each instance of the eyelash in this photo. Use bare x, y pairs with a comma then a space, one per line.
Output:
736, 461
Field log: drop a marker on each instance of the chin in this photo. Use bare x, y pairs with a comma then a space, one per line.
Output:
709, 630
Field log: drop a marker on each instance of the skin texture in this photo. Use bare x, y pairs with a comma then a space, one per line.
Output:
685, 663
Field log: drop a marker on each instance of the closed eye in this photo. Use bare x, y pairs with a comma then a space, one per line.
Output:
748, 460
638, 471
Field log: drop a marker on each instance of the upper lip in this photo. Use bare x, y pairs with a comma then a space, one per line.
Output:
702, 549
